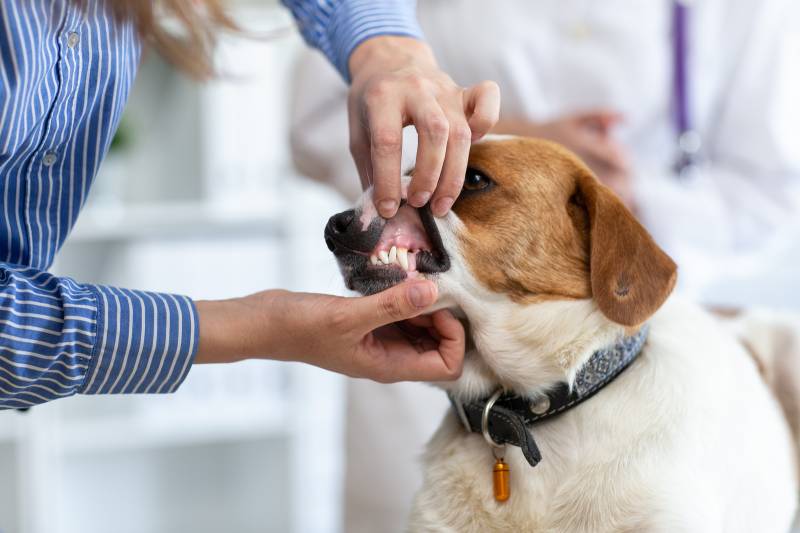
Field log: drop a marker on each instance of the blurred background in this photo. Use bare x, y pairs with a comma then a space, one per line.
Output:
204, 179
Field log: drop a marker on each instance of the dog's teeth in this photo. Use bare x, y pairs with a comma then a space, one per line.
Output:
402, 257
384, 257
393, 255
373, 259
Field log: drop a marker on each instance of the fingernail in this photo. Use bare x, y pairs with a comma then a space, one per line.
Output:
421, 294
387, 208
418, 199
442, 205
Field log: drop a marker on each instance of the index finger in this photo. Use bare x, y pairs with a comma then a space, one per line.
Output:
385, 124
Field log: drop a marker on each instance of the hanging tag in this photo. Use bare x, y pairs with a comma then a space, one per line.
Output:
502, 489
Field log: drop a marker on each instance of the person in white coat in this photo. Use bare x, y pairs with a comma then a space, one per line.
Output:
634, 91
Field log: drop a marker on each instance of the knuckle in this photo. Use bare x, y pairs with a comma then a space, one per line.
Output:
378, 90
391, 307
450, 374
436, 126
461, 134
417, 81
455, 373
387, 139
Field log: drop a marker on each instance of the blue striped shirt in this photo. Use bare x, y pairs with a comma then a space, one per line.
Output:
65, 75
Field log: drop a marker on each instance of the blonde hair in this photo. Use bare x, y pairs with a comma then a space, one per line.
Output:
183, 31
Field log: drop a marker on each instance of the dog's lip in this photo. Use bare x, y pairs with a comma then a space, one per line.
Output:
357, 268
437, 252
430, 260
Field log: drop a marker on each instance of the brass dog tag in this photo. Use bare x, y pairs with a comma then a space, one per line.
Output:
502, 490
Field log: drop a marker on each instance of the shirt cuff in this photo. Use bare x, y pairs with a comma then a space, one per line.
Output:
355, 21
145, 342
336, 27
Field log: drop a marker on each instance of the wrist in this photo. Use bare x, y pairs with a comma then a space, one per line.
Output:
233, 330
249, 327
216, 321
378, 53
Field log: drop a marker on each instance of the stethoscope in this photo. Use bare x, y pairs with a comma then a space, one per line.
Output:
688, 140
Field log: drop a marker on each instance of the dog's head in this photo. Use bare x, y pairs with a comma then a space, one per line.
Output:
544, 262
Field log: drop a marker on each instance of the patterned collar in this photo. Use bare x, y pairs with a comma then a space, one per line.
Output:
505, 418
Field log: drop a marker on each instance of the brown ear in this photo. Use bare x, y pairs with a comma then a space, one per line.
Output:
630, 275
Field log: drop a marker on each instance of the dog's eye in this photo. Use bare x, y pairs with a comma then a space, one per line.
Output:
476, 180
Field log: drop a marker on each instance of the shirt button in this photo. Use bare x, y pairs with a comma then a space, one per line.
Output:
73, 39
49, 159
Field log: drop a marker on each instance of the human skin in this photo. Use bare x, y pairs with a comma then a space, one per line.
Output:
395, 82
352, 336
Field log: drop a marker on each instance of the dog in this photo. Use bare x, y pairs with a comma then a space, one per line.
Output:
551, 273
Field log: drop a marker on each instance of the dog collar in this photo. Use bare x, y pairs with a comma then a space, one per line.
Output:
505, 418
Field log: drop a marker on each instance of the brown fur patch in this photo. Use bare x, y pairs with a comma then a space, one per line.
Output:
548, 229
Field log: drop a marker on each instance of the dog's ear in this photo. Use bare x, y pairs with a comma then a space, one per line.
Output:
630, 275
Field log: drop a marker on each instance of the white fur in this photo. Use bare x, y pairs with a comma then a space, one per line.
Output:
688, 439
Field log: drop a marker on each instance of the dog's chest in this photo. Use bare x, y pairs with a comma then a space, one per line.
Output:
553, 496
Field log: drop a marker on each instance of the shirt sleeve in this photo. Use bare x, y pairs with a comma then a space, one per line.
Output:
336, 27
59, 338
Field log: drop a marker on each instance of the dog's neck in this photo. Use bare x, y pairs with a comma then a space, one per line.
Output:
506, 418
527, 357
528, 349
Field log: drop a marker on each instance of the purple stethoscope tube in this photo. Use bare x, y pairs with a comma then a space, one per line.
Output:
688, 139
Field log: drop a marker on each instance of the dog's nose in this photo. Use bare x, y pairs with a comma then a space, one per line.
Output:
341, 222
342, 233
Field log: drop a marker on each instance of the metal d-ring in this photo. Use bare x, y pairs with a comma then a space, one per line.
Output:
485, 418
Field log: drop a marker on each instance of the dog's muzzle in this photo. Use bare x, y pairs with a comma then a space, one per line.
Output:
375, 254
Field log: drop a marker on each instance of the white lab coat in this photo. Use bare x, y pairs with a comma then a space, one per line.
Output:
733, 228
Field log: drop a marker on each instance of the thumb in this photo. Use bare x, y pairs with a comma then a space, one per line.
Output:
482, 107
400, 302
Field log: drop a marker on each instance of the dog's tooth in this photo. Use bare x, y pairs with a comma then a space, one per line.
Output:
402, 257
384, 257
373, 259
393, 255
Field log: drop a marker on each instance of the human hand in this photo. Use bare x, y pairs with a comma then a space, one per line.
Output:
590, 135
352, 336
395, 83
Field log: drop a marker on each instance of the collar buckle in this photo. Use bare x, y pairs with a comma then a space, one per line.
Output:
485, 418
